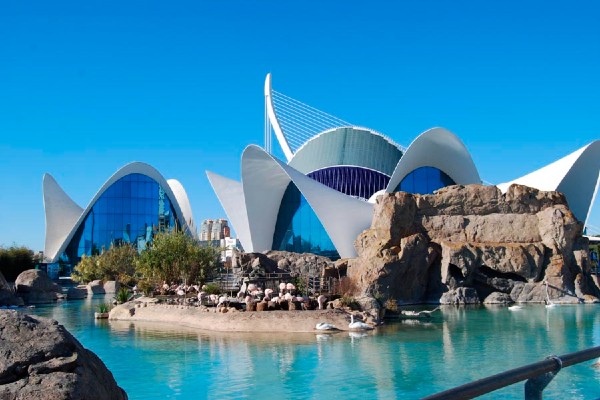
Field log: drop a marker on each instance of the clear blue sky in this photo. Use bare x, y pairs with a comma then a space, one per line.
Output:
88, 86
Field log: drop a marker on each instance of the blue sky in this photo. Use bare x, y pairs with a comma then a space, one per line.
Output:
86, 87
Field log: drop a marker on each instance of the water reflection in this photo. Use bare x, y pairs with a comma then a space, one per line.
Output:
400, 360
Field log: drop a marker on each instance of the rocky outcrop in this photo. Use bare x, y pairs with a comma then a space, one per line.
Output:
96, 287
7, 297
35, 287
256, 265
42, 360
466, 244
77, 292
111, 287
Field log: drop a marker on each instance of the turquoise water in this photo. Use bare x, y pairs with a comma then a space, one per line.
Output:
399, 360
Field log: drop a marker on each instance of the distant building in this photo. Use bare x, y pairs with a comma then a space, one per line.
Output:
206, 230
216, 229
228, 246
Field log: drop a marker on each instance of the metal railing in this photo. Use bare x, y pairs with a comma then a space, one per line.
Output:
538, 376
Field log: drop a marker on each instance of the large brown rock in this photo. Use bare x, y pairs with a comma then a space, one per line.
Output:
7, 296
35, 287
40, 359
464, 243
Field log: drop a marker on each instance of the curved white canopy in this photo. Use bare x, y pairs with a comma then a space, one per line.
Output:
439, 148
575, 175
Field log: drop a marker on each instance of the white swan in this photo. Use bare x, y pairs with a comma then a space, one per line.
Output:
358, 325
324, 326
549, 303
515, 308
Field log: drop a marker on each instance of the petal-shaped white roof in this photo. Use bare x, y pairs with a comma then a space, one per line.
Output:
231, 196
439, 148
61, 225
265, 180
62, 214
575, 175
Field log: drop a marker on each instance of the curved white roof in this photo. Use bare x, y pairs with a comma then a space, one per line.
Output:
265, 180
575, 175
439, 148
60, 209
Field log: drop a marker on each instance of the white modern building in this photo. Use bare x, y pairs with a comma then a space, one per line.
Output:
131, 206
322, 196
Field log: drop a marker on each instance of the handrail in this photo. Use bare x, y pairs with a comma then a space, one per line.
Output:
483, 386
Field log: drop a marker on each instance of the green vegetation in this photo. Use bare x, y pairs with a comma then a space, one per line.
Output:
14, 260
176, 257
122, 295
115, 264
103, 308
171, 257
211, 288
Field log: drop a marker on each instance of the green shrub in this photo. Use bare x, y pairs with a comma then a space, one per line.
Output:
211, 288
146, 287
103, 308
123, 295
348, 301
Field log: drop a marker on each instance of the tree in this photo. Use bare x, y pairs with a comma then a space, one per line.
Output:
174, 256
86, 270
15, 260
115, 264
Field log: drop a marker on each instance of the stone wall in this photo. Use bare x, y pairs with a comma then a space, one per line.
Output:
466, 244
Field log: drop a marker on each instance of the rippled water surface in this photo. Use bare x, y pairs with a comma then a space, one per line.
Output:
400, 360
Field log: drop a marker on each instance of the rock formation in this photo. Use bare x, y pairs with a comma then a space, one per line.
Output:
42, 360
7, 297
35, 287
255, 265
467, 243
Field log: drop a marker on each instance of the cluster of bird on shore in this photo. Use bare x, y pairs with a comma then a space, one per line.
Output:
250, 297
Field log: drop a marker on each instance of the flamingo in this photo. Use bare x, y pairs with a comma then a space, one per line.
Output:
324, 326
288, 296
321, 300
358, 325
282, 287
290, 286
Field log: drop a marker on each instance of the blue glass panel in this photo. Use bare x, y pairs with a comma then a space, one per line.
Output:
298, 229
126, 212
424, 180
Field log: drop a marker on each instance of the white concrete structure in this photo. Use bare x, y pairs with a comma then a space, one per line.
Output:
255, 206
64, 216
575, 175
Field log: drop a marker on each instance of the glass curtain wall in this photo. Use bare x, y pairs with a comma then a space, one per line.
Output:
424, 180
298, 229
350, 180
131, 210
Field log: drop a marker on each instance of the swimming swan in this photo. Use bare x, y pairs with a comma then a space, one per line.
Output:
358, 325
324, 326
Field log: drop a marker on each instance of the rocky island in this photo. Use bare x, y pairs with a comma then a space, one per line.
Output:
462, 245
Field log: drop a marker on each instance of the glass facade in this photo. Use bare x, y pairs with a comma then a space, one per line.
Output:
353, 181
424, 180
131, 210
298, 229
